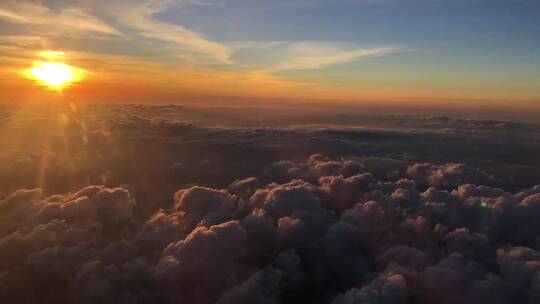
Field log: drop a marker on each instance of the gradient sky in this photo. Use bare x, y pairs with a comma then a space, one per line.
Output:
362, 50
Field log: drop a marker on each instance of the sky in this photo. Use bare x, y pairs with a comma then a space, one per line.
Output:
430, 51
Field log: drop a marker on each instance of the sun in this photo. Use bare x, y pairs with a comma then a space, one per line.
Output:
54, 75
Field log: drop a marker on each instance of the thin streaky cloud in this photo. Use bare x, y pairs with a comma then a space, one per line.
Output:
304, 55
142, 20
64, 21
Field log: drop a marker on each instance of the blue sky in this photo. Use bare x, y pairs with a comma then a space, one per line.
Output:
476, 49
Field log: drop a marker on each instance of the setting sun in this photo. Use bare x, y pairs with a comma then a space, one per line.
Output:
54, 75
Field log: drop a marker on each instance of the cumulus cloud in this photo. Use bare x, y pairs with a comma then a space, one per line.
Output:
448, 176
315, 167
312, 229
340, 239
205, 206
283, 200
386, 289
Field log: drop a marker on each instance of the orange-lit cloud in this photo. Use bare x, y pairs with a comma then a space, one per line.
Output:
128, 46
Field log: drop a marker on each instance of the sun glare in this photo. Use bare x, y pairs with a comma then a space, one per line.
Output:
54, 75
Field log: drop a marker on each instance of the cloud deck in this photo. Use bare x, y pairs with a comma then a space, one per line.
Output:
283, 226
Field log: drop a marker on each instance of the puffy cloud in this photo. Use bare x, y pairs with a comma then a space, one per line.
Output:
342, 193
16, 207
301, 232
261, 236
315, 167
468, 190
448, 176
372, 221
519, 267
283, 200
534, 291
441, 284
317, 230
244, 187
209, 205
109, 206
95, 214
99, 283
261, 288
285, 242
345, 254
205, 262
488, 290
161, 229
471, 246
386, 289
405, 256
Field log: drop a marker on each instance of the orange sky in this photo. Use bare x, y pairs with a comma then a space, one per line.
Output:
141, 51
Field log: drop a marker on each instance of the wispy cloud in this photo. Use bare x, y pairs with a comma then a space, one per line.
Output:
142, 19
63, 21
280, 56
143, 47
139, 21
135, 20
307, 55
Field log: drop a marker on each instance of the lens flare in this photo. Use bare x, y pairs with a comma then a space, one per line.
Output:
54, 75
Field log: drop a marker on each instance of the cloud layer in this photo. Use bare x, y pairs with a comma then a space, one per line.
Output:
223, 219
345, 238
